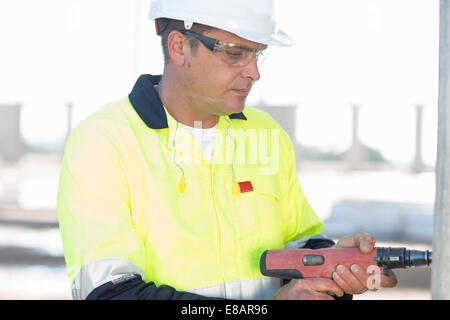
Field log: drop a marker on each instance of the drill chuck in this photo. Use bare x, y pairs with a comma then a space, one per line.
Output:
393, 258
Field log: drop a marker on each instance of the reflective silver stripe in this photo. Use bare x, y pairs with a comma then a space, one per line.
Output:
98, 272
300, 243
248, 289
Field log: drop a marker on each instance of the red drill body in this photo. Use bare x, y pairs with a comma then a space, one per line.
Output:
309, 263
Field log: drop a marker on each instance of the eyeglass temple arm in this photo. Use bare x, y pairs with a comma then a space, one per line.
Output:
208, 42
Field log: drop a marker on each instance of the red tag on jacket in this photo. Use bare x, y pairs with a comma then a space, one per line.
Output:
245, 186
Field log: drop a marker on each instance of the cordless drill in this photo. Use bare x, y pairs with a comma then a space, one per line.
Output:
309, 263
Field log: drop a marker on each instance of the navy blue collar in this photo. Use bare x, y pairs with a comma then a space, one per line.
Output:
146, 103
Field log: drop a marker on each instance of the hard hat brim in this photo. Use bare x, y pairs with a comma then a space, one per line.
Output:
275, 38
280, 39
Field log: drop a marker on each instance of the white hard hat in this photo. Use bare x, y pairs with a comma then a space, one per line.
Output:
249, 19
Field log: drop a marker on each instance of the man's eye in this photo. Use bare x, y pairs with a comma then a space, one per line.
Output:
235, 53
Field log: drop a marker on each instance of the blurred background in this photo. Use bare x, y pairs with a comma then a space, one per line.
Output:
357, 93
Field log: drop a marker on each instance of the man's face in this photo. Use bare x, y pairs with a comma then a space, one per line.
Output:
215, 87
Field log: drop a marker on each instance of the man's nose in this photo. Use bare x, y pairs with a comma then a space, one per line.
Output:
251, 70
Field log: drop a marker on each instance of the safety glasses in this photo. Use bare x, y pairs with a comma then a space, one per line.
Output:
232, 54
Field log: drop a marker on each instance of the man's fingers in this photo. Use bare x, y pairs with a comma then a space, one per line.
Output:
388, 280
341, 283
324, 285
354, 280
323, 296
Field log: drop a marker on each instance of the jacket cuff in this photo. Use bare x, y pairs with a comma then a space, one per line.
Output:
134, 288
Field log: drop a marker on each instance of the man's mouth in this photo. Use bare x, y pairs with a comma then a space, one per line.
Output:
241, 92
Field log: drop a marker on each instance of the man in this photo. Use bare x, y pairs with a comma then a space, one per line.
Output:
161, 194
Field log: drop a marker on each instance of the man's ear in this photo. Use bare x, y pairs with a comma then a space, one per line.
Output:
175, 46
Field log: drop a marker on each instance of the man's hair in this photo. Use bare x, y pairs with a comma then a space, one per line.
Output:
179, 25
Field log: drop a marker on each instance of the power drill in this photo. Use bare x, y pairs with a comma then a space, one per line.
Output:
312, 263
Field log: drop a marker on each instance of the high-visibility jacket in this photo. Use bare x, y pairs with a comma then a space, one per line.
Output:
122, 208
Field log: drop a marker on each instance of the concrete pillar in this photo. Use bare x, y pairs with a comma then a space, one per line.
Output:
355, 153
286, 118
11, 145
440, 275
418, 165
69, 114
69, 119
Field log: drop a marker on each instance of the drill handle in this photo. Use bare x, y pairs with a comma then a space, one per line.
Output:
309, 263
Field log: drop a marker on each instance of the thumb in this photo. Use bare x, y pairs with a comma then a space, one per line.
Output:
365, 242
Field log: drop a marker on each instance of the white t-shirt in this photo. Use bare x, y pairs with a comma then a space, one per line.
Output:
205, 138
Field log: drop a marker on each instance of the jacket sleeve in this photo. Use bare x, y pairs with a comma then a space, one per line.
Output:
134, 288
104, 253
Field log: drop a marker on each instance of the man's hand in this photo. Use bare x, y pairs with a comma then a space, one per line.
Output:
355, 280
308, 289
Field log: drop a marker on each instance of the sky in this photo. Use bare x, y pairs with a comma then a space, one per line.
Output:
379, 54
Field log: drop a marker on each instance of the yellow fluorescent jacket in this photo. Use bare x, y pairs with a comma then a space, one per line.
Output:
120, 210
